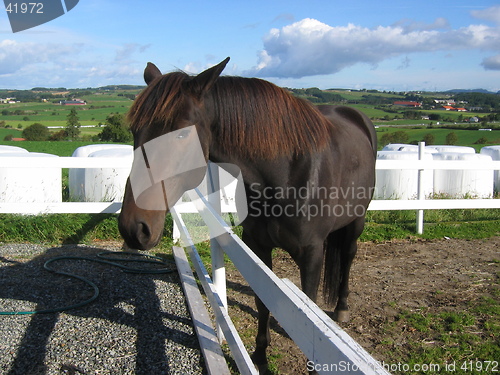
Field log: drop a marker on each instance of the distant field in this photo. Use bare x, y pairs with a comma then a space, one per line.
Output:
60, 148
465, 137
102, 104
98, 108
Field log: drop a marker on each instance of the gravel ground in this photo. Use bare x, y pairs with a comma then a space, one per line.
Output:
139, 324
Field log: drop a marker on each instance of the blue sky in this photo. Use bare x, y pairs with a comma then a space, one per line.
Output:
385, 45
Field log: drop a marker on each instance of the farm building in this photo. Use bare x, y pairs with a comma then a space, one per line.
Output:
408, 104
72, 102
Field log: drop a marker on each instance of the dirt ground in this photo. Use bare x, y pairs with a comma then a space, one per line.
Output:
386, 279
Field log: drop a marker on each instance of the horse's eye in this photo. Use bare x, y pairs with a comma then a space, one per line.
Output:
183, 134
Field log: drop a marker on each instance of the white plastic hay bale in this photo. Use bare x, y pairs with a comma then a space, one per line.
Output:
397, 147
400, 183
108, 184
77, 175
29, 185
457, 149
494, 152
461, 183
407, 148
12, 149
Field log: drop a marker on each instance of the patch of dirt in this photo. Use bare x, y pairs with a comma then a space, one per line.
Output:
386, 279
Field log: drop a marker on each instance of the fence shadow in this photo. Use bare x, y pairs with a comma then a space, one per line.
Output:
127, 303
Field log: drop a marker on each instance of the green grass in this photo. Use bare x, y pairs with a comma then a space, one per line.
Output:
465, 137
64, 228
98, 108
465, 341
460, 223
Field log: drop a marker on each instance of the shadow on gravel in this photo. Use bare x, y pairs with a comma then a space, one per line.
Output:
138, 324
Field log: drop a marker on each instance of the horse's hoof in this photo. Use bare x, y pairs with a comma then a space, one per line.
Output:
341, 316
261, 366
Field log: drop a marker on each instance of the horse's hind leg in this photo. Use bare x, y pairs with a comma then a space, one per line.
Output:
348, 252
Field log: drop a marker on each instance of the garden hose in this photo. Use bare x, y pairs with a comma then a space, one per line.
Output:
105, 257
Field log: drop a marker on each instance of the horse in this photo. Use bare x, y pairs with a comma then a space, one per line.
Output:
308, 172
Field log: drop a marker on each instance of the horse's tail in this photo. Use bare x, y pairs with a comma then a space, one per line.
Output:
332, 275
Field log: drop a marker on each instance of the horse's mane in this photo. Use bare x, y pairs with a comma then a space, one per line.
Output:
254, 118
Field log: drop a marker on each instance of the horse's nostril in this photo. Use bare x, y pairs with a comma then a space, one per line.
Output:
143, 232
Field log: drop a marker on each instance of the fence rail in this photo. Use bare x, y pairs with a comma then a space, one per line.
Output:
116, 162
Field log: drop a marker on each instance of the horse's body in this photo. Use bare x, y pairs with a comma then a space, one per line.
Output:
308, 172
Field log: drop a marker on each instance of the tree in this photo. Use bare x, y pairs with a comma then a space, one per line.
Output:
429, 139
72, 125
116, 130
394, 137
36, 132
451, 139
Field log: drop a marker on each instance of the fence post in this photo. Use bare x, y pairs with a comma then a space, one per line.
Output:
420, 189
217, 253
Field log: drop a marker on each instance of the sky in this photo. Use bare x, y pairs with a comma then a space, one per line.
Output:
357, 44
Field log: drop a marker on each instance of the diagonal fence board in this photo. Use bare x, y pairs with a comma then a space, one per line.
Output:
240, 355
210, 348
318, 341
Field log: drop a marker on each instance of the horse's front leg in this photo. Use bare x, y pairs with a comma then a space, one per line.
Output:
263, 337
349, 249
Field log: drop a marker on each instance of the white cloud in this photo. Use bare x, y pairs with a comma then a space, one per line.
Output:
125, 52
490, 14
491, 63
15, 55
310, 47
29, 64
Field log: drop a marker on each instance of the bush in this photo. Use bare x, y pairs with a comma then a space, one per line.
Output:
36, 132
116, 130
481, 141
429, 139
451, 139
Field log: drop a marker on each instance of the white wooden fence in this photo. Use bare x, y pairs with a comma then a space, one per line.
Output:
322, 341
418, 166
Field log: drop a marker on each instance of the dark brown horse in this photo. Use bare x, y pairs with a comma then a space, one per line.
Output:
308, 172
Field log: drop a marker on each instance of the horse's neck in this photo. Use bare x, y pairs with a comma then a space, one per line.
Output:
275, 172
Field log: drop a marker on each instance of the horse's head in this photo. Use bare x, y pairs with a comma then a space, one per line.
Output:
171, 129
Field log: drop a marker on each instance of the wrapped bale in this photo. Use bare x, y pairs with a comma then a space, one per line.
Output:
108, 184
77, 175
494, 152
401, 183
29, 185
458, 183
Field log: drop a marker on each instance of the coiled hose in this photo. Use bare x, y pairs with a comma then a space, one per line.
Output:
103, 257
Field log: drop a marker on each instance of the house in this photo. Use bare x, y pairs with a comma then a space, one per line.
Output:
450, 108
445, 101
8, 100
408, 104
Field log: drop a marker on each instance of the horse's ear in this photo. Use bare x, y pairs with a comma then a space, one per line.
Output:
204, 81
151, 72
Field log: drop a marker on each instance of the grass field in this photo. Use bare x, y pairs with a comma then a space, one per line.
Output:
465, 137
99, 106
